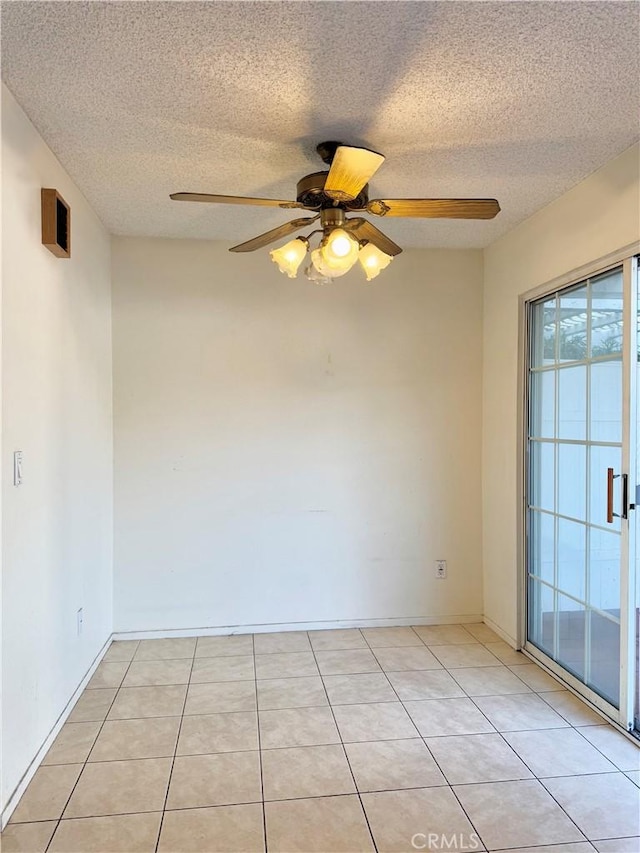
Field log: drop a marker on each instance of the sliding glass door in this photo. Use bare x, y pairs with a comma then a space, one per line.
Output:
579, 494
635, 497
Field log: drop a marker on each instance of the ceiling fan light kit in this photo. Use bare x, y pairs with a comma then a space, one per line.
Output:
331, 195
336, 254
326, 271
339, 250
373, 261
290, 256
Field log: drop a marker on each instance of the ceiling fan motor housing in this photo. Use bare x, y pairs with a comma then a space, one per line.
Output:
310, 193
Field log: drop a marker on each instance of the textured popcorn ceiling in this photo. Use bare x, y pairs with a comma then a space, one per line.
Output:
517, 101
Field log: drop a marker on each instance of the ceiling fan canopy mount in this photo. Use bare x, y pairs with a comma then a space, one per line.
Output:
327, 150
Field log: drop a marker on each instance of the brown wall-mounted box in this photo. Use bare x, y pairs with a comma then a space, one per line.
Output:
56, 223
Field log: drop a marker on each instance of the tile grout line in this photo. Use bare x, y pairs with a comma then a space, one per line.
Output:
448, 785
102, 724
344, 751
377, 740
264, 809
597, 748
613, 772
322, 796
175, 751
575, 727
371, 649
535, 778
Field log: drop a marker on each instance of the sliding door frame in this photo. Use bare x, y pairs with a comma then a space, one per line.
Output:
625, 257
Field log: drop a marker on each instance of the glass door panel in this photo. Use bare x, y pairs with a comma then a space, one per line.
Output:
541, 623
575, 435
572, 558
606, 314
635, 497
542, 475
571, 477
605, 421
572, 319
572, 402
543, 395
572, 635
542, 535
543, 332
604, 664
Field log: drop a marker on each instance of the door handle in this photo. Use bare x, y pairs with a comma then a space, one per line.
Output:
610, 478
625, 496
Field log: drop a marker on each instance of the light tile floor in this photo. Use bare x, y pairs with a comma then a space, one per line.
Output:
388, 739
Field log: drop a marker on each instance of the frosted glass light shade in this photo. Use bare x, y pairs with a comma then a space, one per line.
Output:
340, 251
372, 260
314, 275
326, 269
290, 256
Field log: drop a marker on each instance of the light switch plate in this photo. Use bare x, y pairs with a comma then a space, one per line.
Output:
17, 468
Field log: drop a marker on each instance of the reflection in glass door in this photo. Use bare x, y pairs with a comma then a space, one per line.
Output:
576, 492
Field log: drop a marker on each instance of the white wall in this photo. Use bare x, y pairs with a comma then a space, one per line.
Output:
596, 217
291, 453
57, 409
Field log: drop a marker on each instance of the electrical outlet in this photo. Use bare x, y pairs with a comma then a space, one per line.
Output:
80, 618
441, 568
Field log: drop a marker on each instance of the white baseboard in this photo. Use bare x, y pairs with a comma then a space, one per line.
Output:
29, 773
503, 634
209, 631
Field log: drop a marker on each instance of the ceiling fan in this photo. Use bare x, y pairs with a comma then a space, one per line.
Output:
331, 195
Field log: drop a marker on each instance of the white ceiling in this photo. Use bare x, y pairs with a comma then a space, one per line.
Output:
513, 100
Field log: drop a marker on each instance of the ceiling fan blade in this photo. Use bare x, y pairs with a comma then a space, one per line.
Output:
362, 229
233, 199
351, 169
436, 208
275, 234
